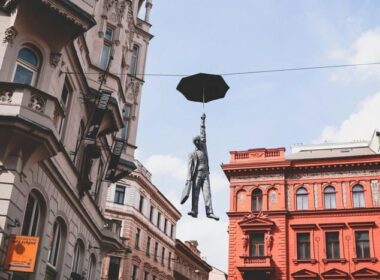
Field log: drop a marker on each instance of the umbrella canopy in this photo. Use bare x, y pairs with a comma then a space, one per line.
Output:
203, 87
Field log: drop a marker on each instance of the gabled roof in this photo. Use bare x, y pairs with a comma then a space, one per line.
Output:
365, 273
335, 274
305, 274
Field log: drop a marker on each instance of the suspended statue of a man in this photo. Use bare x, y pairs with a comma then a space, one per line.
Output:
198, 177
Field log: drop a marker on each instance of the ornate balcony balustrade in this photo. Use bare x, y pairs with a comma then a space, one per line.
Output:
262, 261
258, 155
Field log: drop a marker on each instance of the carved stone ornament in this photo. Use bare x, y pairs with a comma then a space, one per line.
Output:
55, 59
6, 96
37, 103
9, 35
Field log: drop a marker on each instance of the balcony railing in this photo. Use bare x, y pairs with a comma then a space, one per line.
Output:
31, 104
258, 155
262, 261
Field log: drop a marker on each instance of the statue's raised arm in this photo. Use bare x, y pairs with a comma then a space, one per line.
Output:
203, 128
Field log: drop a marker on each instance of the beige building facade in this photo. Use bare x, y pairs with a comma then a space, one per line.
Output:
148, 222
189, 264
70, 89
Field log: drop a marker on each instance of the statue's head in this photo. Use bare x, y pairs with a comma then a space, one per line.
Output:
197, 141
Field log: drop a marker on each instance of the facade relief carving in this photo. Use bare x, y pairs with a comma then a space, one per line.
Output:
375, 193
37, 103
334, 174
260, 177
55, 58
6, 96
10, 35
316, 191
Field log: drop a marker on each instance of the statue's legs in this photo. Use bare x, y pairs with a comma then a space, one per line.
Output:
195, 193
207, 195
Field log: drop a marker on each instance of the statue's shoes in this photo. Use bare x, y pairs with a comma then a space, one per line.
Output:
193, 214
212, 216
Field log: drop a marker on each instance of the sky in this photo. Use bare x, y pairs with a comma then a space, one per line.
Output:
261, 110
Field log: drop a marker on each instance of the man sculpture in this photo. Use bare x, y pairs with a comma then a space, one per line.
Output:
199, 175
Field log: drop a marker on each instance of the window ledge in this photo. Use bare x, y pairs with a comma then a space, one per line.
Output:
357, 260
334, 260
305, 261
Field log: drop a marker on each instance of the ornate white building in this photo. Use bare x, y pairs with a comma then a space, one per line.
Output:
71, 73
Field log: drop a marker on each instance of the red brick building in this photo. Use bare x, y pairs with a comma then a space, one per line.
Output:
313, 214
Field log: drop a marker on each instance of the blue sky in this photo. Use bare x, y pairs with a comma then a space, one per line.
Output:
263, 110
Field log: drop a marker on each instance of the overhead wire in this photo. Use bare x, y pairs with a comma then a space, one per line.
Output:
238, 73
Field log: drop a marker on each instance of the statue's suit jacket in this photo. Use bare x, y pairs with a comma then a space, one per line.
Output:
192, 172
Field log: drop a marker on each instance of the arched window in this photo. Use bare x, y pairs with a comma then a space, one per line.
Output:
32, 218
56, 247
302, 199
241, 204
78, 257
257, 200
92, 267
27, 66
358, 196
330, 197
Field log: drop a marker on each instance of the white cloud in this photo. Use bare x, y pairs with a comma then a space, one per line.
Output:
167, 165
366, 49
176, 168
211, 235
358, 125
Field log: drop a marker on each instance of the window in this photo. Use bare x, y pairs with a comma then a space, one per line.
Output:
155, 251
32, 216
126, 120
154, 277
92, 267
163, 256
303, 246
148, 246
165, 225
134, 272
113, 268
358, 196
330, 198
332, 245
171, 230
76, 154
257, 244
119, 195
141, 204
78, 255
151, 214
158, 219
27, 67
137, 239
65, 100
146, 275
134, 61
362, 244
302, 199
55, 243
170, 260
257, 199
99, 179
107, 46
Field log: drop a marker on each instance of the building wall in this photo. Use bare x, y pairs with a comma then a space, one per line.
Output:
37, 154
278, 180
133, 219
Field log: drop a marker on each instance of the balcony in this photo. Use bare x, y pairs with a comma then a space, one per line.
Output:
30, 116
57, 21
257, 262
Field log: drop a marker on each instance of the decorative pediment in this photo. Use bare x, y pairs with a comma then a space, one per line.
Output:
305, 274
365, 273
335, 274
256, 222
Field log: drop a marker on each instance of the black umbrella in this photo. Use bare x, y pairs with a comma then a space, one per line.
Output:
203, 87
